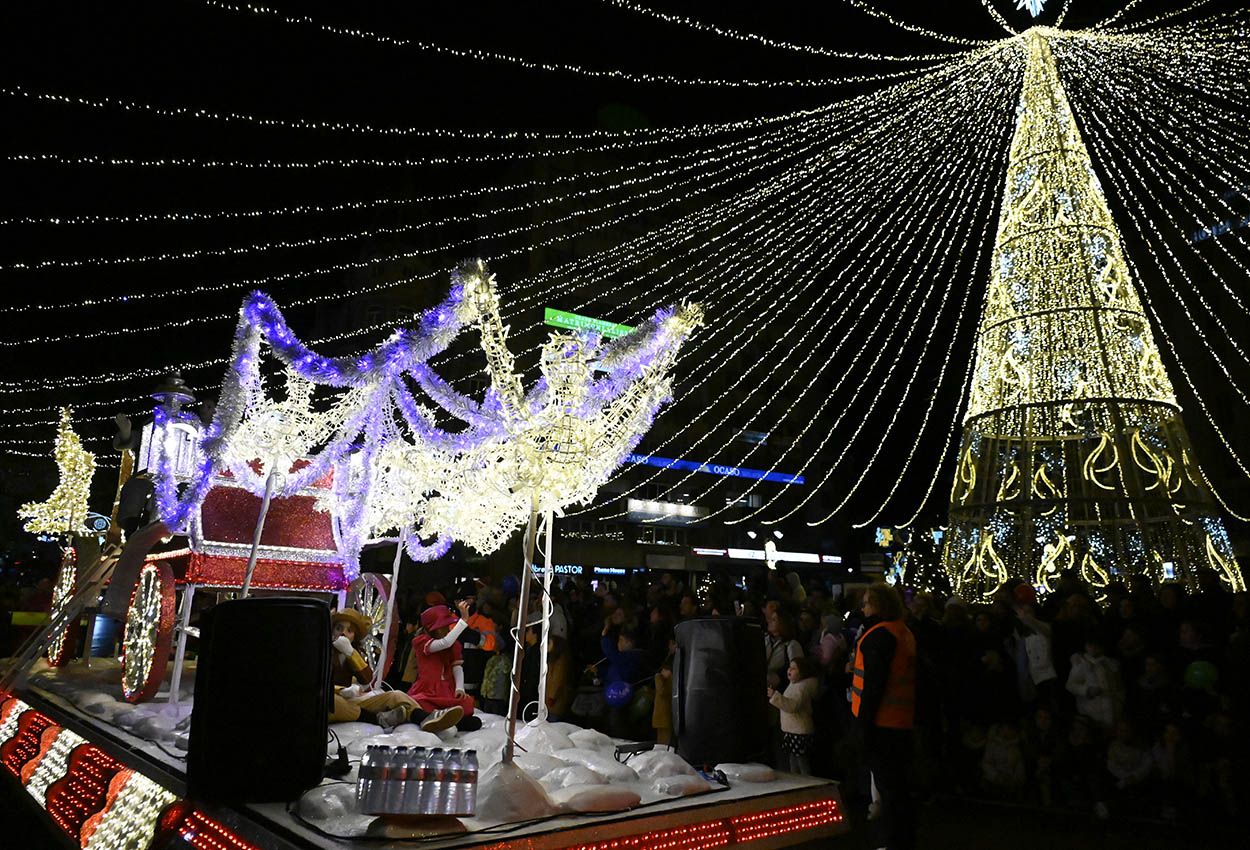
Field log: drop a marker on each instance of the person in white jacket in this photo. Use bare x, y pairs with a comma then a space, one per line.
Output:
1095, 682
798, 727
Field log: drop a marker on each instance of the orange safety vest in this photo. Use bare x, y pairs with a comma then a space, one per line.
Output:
898, 706
486, 626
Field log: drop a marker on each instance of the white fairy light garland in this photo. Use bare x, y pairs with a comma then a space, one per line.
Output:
759, 383
486, 55
873, 11
755, 38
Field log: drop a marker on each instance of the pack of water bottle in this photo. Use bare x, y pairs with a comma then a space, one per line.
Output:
417, 781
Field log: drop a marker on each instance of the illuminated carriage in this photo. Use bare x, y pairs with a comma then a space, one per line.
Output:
297, 551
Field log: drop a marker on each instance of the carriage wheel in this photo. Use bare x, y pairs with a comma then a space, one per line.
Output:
149, 632
61, 647
368, 595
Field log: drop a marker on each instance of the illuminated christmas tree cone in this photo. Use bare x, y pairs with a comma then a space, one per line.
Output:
1074, 455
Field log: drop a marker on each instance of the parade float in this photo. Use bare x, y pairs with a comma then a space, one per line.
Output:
279, 491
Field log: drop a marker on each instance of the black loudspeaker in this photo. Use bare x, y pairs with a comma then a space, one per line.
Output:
720, 706
262, 700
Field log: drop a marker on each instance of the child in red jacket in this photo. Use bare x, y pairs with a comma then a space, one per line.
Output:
440, 673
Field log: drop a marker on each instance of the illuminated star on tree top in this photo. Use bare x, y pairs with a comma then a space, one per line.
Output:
1034, 6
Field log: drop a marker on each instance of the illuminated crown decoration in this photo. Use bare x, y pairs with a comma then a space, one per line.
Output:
395, 471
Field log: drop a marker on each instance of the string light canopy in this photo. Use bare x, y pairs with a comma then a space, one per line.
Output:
65, 510
797, 235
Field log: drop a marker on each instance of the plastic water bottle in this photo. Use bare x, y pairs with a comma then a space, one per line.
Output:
411, 802
379, 774
389, 770
468, 783
449, 798
364, 777
394, 799
432, 787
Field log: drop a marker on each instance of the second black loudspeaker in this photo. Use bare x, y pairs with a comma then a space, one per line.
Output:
720, 707
262, 700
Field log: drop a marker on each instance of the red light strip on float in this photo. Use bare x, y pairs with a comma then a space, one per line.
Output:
694, 837
781, 821
191, 828
725, 831
52, 763
10, 712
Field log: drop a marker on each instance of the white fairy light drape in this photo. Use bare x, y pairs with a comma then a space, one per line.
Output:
798, 232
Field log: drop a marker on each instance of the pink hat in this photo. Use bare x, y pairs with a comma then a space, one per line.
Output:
437, 616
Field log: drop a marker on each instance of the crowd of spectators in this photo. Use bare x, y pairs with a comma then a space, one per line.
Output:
1123, 701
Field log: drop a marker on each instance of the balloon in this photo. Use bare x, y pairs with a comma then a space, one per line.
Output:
618, 693
642, 704
1201, 675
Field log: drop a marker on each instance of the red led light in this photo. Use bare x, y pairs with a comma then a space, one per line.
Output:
228, 515
722, 832
181, 825
25, 744
693, 837
46, 739
83, 791
781, 821
116, 784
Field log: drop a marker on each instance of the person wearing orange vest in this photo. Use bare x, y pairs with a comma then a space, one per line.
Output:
883, 701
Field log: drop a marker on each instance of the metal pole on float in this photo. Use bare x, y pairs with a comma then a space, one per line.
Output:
380, 669
522, 615
270, 483
548, 528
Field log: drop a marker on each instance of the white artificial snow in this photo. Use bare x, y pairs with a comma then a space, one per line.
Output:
571, 775
597, 798
506, 793
542, 738
681, 785
601, 763
750, 772
539, 765
590, 739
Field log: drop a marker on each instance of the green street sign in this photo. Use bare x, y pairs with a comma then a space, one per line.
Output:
574, 322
